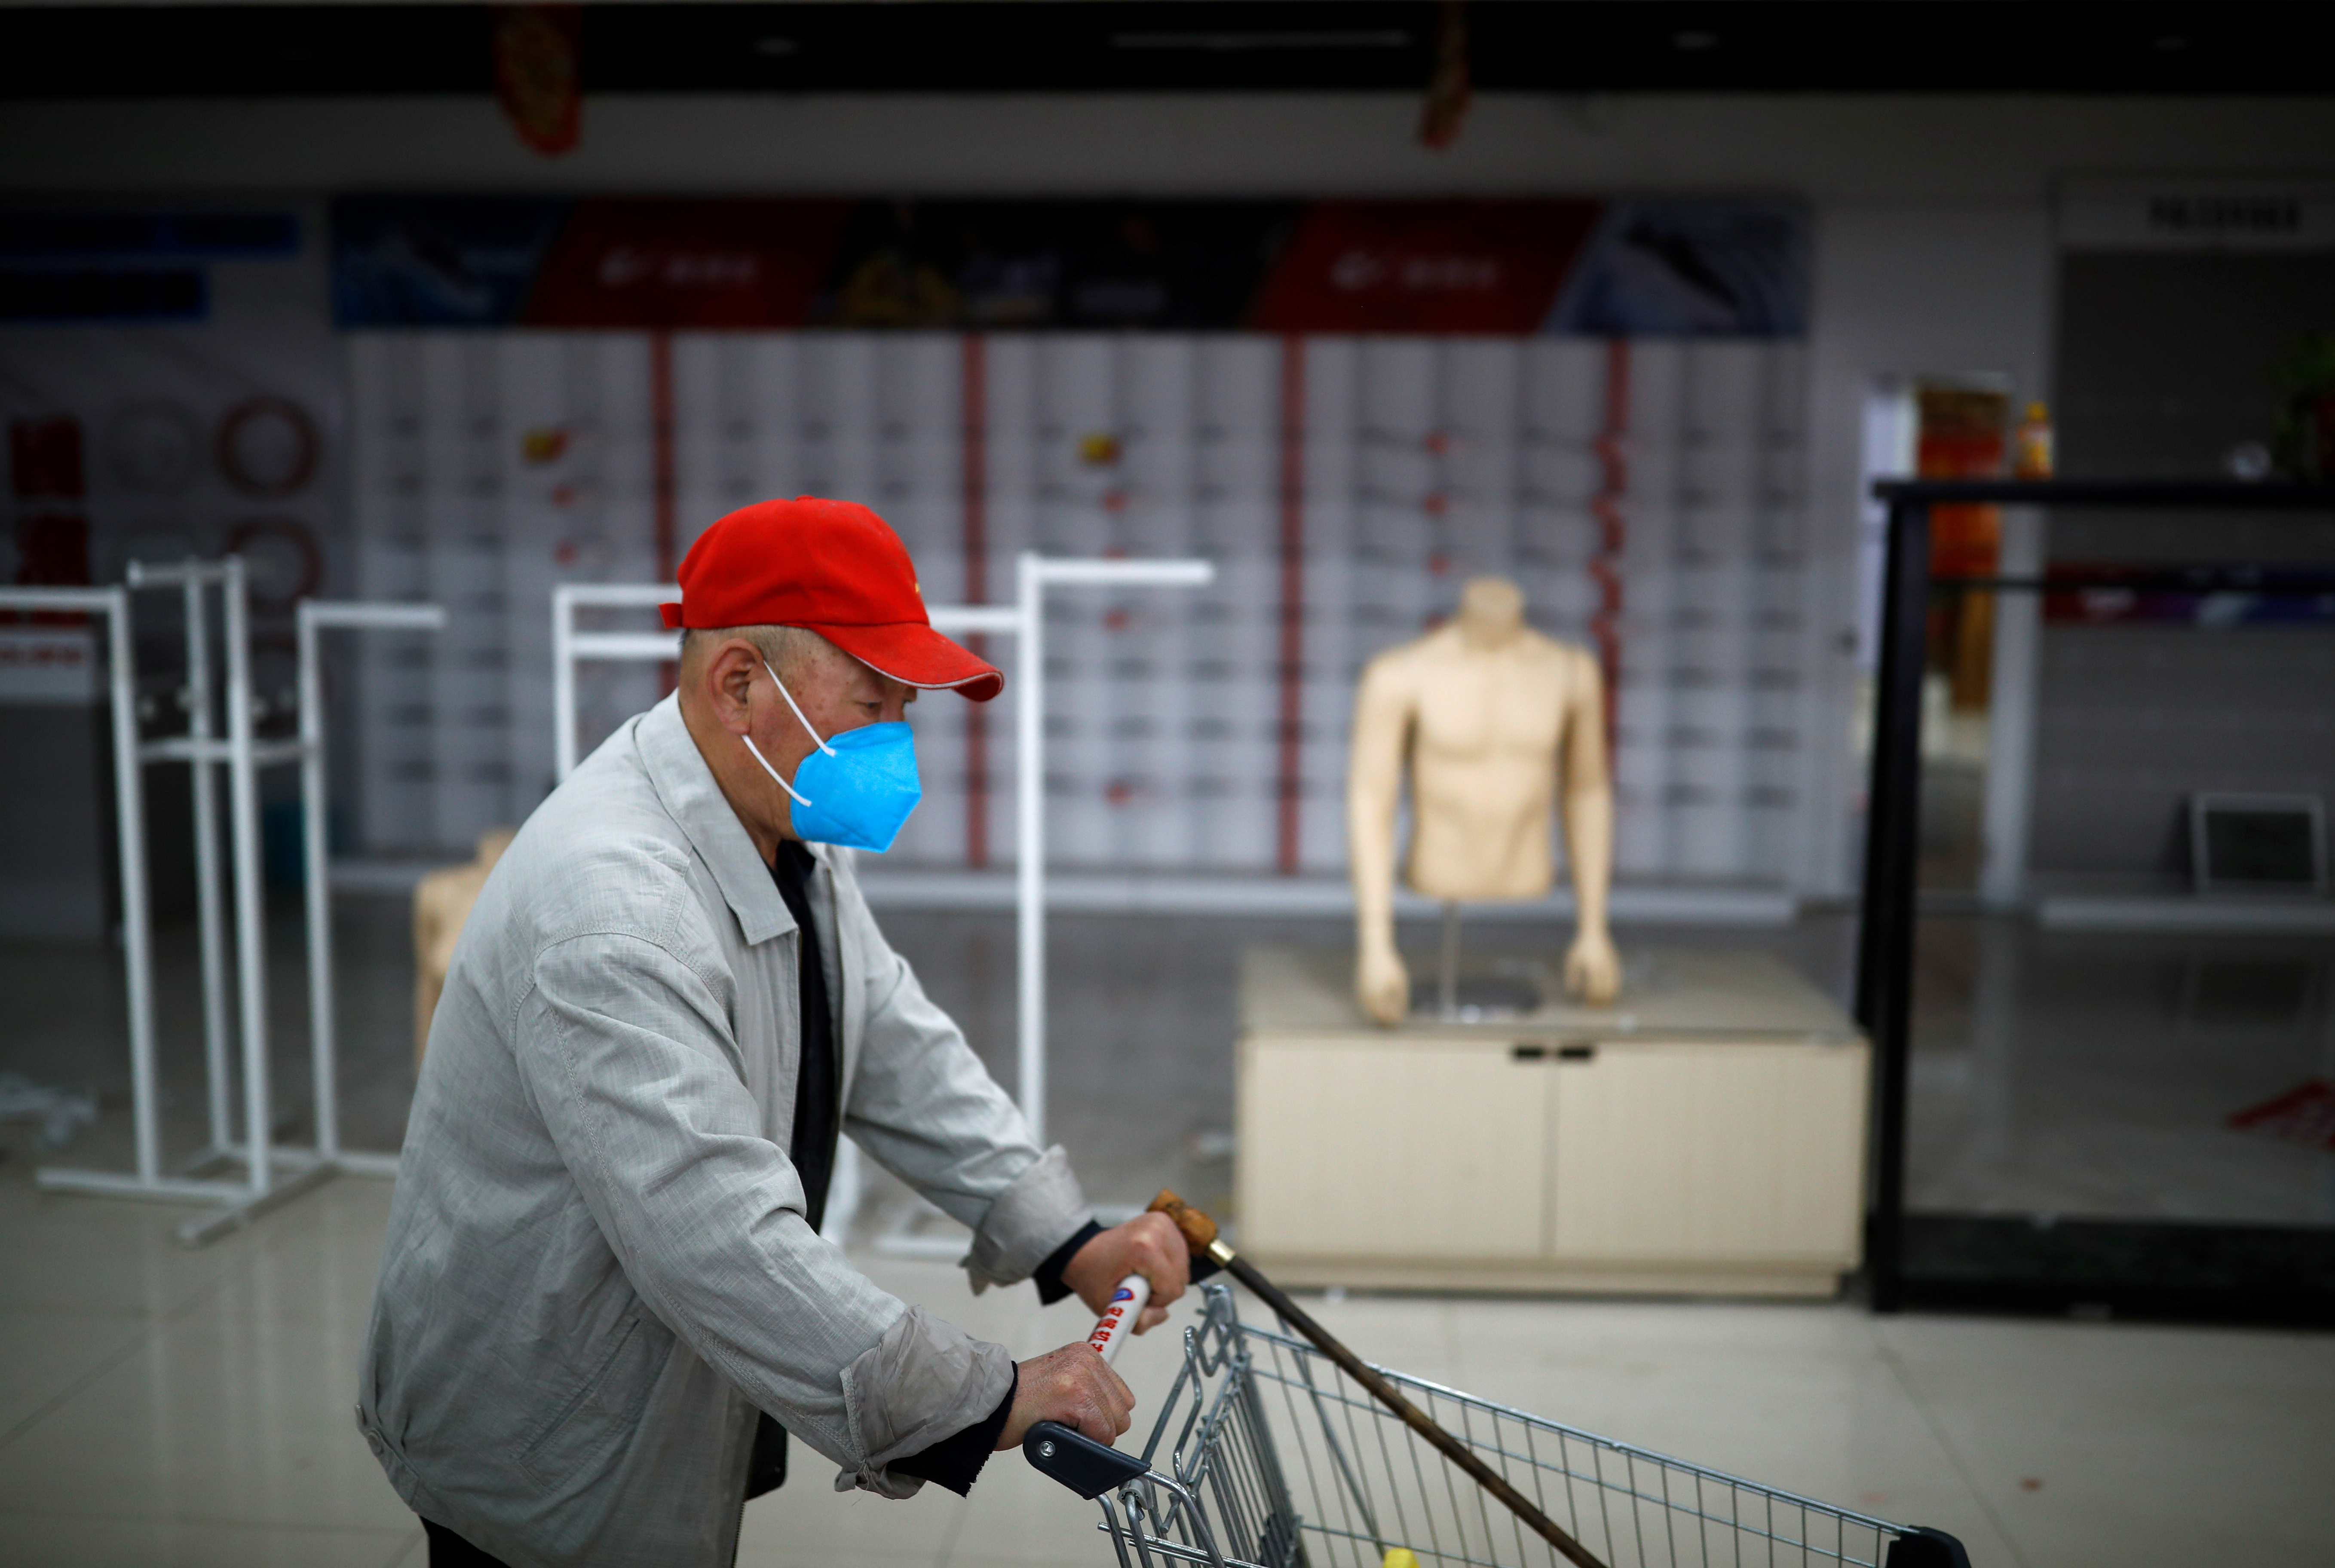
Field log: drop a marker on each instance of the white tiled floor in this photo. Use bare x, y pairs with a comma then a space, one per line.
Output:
183, 1409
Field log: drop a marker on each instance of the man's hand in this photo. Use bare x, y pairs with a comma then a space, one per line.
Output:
1149, 1244
1072, 1386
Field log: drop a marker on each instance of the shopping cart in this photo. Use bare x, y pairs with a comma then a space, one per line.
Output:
1267, 1455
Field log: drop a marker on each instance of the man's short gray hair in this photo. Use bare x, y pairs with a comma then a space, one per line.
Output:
791, 650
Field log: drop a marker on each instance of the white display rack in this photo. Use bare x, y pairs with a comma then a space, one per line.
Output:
273, 1175
129, 825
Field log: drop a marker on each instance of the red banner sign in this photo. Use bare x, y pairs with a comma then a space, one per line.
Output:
1429, 266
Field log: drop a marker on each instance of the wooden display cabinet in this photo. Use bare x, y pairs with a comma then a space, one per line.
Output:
1705, 1134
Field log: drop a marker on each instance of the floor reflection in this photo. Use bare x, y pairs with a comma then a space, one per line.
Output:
2097, 1073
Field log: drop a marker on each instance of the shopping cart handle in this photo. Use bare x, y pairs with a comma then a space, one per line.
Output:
1086, 1466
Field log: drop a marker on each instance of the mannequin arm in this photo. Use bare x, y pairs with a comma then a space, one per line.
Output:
1592, 969
1373, 789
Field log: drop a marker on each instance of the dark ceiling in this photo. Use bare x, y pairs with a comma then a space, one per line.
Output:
1191, 45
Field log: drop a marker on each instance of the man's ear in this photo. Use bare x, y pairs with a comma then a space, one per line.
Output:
729, 682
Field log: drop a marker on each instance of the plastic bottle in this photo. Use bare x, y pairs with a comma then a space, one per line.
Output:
2030, 448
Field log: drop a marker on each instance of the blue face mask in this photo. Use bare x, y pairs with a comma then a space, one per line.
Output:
856, 789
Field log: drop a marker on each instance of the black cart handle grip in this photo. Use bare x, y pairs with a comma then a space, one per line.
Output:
1086, 1466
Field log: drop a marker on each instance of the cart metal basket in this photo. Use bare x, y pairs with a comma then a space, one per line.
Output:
1266, 1455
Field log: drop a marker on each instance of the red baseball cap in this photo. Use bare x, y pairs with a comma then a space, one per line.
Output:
836, 569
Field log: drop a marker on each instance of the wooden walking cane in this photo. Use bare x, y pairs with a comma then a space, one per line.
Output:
1200, 1236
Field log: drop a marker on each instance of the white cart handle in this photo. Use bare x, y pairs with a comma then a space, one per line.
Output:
1118, 1319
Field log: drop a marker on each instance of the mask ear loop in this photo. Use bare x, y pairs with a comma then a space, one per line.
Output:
756, 751
782, 686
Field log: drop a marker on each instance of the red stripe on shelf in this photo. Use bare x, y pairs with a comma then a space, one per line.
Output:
666, 485
1605, 565
1292, 593
661, 445
974, 441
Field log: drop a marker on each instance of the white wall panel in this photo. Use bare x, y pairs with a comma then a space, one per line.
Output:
769, 414
610, 509
541, 549
491, 467
394, 725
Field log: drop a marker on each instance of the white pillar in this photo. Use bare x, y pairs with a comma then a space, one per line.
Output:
316, 898
1029, 808
250, 894
218, 1080
2011, 714
137, 924
563, 682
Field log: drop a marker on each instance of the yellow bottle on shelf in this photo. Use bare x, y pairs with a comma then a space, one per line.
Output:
2030, 448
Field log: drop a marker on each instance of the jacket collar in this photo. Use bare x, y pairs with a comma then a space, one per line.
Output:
686, 788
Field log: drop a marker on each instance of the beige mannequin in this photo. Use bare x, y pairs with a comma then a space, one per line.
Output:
1489, 713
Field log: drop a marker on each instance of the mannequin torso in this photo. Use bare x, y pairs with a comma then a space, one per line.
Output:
1487, 724
1497, 724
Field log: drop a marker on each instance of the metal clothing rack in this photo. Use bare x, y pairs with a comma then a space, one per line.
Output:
1884, 957
273, 1176
130, 828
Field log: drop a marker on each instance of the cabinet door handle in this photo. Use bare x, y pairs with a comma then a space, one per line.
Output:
1528, 1052
1576, 1053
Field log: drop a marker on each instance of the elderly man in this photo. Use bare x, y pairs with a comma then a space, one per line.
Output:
604, 1298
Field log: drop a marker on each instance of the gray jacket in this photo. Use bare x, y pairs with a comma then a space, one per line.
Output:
598, 1268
